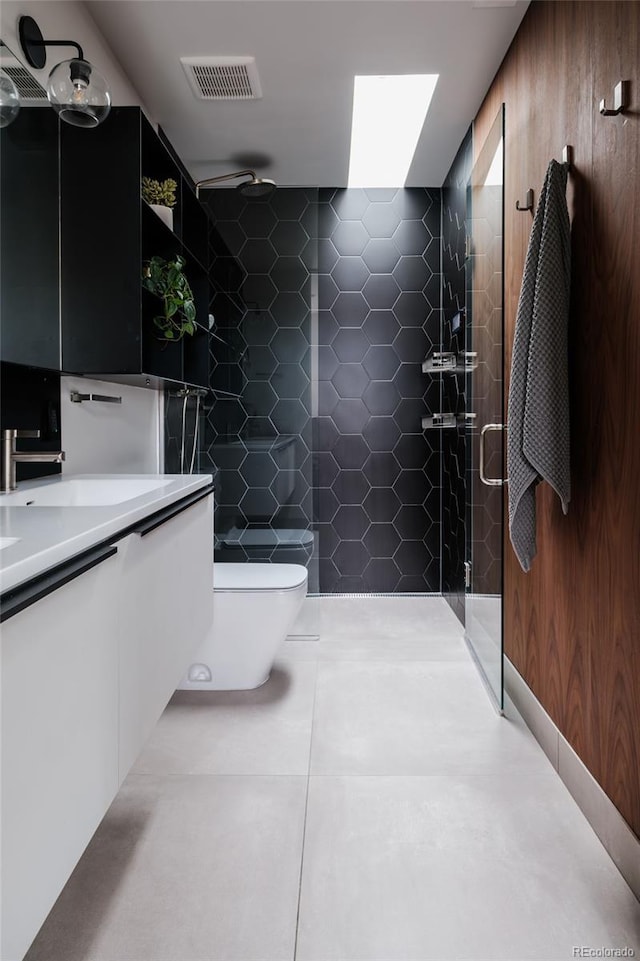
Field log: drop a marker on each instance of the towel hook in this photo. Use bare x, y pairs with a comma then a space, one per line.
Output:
619, 100
567, 155
528, 201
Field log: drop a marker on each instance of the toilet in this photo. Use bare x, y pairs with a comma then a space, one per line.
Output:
254, 608
279, 545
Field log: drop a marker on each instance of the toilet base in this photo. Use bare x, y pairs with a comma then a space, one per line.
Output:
249, 627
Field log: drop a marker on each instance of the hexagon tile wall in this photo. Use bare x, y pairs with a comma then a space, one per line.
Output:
378, 473
258, 432
363, 473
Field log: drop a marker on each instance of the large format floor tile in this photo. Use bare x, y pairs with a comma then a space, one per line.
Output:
385, 617
414, 717
496, 868
186, 869
444, 645
435, 830
264, 731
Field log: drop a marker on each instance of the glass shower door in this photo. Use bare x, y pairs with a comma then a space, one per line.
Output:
484, 392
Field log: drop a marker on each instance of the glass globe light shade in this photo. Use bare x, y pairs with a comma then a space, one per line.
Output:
78, 93
9, 100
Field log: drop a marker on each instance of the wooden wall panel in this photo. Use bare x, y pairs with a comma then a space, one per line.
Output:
572, 625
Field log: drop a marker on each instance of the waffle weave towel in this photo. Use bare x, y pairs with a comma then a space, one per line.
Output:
538, 412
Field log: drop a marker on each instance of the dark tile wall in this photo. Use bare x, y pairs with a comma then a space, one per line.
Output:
454, 303
378, 473
343, 378
30, 400
258, 428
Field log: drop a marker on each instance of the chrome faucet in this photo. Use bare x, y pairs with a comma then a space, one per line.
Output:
10, 457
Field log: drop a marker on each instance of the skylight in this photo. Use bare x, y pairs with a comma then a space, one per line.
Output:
388, 115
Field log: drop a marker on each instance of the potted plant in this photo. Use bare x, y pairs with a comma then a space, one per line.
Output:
165, 279
161, 197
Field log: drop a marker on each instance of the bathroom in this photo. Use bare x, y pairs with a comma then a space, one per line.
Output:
444, 761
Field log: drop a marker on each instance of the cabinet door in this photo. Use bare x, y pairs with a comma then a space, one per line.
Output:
166, 610
29, 287
59, 743
100, 245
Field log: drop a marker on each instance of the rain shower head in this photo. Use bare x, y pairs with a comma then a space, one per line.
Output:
254, 187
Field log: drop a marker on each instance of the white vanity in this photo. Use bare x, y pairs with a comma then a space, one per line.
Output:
106, 593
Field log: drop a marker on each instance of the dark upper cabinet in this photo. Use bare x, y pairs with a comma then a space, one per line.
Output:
107, 234
29, 254
75, 235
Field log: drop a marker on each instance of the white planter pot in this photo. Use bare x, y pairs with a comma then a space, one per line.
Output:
164, 213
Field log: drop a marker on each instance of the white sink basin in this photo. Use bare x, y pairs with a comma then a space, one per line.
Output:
7, 542
82, 493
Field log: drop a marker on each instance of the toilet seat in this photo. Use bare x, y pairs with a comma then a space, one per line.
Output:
250, 578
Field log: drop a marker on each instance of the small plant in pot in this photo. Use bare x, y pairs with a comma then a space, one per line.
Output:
165, 279
161, 197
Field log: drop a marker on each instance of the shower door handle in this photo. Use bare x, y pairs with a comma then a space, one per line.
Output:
489, 481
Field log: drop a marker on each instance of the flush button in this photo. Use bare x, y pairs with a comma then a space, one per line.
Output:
199, 672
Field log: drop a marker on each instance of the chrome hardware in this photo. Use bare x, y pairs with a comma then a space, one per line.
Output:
439, 421
567, 155
447, 361
468, 249
11, 457
77, 398
620, 103
528, 204
470, 359
440, 360
489, 481
195, 392
467, 574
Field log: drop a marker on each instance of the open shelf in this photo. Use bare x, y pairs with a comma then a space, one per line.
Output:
107, 316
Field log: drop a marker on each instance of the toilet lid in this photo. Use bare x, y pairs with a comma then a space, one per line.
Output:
267, 537
258, 577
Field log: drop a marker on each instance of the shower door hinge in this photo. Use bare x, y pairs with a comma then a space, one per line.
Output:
467, 247
467, 573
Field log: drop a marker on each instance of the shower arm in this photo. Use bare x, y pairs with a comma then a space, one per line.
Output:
216, 180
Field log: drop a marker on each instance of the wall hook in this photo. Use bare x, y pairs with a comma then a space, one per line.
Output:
528, 202
620, 97
567, 155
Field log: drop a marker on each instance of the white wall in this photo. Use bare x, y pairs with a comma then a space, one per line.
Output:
97, 438
101, 438
67, 20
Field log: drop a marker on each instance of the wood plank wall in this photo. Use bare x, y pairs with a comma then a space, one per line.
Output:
572, 626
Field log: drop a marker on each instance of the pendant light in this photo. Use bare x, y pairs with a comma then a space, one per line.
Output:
76, 90
9, 100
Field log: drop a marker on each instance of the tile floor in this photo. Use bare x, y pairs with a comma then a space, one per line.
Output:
366, 804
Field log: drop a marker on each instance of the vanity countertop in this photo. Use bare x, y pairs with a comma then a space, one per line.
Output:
35, 538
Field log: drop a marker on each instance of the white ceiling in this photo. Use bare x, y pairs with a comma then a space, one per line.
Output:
307, 53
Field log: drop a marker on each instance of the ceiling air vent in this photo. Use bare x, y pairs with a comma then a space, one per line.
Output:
223, 78
28, 87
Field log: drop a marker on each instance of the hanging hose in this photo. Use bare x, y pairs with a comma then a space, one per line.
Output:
185, 393
184, 417
195, 433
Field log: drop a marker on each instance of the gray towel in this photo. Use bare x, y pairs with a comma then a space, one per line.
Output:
538, 417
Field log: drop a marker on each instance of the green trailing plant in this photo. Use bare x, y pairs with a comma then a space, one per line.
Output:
161, 192
165, 279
